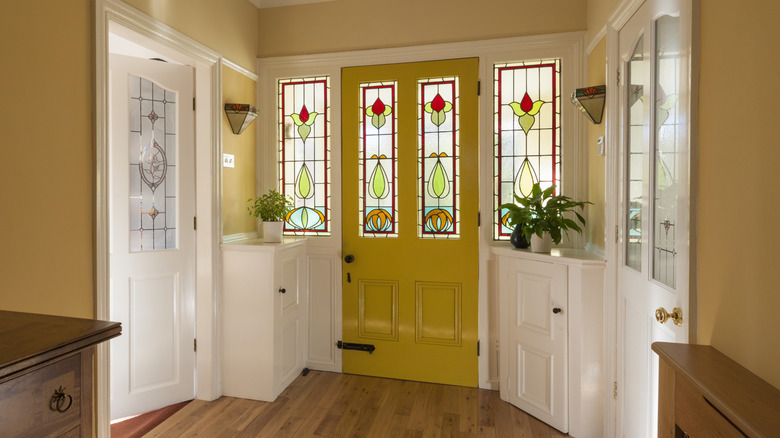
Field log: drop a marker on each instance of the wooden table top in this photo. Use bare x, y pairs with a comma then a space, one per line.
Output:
27, 339
746, 399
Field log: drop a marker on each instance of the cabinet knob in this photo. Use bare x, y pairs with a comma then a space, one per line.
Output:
349, 258
557, 310
60, 401
282, 290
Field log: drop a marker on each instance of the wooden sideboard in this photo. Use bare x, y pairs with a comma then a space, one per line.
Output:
46, 373
703, 393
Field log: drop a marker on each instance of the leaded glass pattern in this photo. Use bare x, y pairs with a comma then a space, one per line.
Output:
304, 153
636, 147
377, 161
152, 149
527, 132
438, 158
666, 147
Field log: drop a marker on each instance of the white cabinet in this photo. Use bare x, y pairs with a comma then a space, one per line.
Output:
263, 317
551, 337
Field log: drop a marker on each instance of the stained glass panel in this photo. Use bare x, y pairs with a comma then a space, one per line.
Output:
666, 148
636, 148
304, 154
438, 158
527, 132
378, 172
152, 149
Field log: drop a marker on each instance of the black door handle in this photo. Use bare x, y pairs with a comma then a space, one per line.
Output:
556, 310
282, 290
349, 258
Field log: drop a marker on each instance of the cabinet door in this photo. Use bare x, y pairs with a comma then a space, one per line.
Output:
534, 314
289, 318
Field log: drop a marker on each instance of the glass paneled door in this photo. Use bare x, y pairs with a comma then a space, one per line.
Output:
410, 206
653, 255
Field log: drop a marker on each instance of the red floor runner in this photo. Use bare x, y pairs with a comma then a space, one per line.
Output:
140, 425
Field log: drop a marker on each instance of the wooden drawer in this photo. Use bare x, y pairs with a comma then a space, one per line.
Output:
696, 417
25, 402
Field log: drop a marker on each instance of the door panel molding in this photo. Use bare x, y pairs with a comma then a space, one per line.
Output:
378, 309
438, 329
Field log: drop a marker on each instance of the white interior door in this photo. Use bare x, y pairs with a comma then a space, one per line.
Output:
653, 218
152, 246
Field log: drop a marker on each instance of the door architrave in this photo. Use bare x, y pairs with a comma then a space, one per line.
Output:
113, 15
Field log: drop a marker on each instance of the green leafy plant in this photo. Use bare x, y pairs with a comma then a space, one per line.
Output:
271, 207
544, 211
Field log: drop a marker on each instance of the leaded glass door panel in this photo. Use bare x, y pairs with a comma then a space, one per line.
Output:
653, 218
410, 202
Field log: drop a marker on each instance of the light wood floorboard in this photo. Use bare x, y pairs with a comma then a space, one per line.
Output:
328, 405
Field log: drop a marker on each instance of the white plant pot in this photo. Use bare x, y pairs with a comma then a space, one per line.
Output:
541, 244
272, 232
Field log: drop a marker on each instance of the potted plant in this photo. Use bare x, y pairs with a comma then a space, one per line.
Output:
271, 208
542, 216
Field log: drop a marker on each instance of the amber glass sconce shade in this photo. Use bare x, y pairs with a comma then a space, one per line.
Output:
590, 100
240, 116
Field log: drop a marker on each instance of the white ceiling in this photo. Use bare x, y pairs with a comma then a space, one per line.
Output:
279, 3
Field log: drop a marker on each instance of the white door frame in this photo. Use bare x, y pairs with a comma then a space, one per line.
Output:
615, 23
567, 46
208, 79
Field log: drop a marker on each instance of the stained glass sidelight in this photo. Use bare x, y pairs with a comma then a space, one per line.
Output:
527, 131
438, 158
304, 154
152, 149
665, 187
636, 147
377, 160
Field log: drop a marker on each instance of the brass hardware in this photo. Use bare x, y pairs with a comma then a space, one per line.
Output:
58, 403
661, 315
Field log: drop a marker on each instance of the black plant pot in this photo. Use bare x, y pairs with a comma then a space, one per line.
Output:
518, 239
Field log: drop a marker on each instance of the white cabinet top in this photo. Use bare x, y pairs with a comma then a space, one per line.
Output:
257, 245
557, 255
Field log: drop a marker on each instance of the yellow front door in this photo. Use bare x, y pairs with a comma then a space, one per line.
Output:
410, 221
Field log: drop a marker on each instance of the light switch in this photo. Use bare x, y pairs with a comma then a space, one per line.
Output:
600, 147
228, 160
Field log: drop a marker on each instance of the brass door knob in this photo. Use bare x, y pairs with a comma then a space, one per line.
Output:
661, 315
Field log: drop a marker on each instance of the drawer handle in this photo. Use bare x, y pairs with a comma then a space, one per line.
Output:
58, 402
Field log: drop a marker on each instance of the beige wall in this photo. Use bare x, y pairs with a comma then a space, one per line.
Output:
596, 222
226, 26
47, 165
238, 183
47, 171
739, 155
359, 24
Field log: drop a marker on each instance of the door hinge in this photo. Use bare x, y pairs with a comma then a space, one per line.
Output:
193, 104
194, 223
195, 345
479, 87
614, 390
617, 233
477, 348
479, 219
618, 75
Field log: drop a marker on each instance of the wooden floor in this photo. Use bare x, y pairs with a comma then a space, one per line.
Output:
339, 405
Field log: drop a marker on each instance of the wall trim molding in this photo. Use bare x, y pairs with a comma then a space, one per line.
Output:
602, 33
251, 75
207, 63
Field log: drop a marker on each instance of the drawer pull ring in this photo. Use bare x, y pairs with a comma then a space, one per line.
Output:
58, 402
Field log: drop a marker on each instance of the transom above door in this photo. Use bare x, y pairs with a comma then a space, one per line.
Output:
410, 210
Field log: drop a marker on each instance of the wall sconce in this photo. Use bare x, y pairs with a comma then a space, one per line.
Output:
240, 115
590, 100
